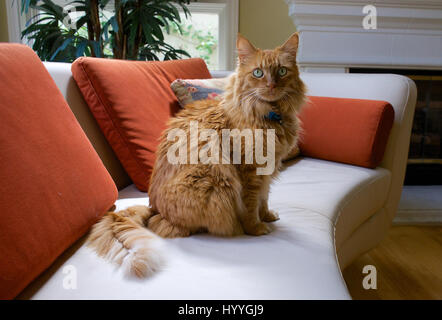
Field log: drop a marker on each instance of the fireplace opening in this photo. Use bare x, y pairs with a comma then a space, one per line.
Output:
424, 165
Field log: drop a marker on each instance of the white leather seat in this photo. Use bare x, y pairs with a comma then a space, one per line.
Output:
296, 261
333, 190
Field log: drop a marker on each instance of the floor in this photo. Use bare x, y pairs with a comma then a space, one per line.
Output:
408, 264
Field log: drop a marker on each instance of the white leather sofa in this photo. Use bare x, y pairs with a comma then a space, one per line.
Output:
330, 214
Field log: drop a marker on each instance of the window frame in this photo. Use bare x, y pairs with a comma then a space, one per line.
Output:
15, 21
228, 11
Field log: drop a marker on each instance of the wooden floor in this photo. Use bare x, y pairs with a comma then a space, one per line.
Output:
408, 264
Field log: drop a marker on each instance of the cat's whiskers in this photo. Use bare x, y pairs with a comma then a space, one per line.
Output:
249, 94
251, 98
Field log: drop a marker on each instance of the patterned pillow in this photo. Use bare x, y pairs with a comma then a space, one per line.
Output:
188, 91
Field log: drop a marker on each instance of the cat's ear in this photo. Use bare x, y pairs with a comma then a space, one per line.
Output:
244, 47
291, 45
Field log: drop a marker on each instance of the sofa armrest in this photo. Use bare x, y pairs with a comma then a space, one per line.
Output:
399, 91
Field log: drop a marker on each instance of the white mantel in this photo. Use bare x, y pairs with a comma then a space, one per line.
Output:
408, 34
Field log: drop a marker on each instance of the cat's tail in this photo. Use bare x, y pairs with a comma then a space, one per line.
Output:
122, 237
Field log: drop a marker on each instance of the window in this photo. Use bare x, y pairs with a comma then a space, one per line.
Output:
199, 36
209, 33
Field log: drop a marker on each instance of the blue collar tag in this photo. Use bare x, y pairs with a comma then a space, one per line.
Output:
273, 116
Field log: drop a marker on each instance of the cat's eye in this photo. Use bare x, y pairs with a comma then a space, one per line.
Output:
282, 71
258, 73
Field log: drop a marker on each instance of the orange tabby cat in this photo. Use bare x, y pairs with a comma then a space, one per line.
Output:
221, 198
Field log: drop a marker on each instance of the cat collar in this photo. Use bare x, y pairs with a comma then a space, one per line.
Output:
273, 116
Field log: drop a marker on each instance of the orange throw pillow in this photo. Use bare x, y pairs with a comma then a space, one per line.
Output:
351, 131
132, 101
53, 185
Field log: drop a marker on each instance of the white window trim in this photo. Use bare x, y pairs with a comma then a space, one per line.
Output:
17, 21
14, 21
227, 26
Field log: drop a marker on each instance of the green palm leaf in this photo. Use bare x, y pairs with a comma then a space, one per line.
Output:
134, 29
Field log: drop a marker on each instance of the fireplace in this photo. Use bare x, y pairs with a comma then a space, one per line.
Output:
425, 155
406, 39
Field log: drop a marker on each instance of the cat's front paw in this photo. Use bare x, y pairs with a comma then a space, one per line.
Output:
270, 216
258, 229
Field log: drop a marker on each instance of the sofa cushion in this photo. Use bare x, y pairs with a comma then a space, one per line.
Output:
132, 101
53, 185
347, 195
62, 75
352, 131
297, 260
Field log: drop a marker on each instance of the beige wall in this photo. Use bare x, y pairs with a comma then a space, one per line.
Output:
3, 22
265, 22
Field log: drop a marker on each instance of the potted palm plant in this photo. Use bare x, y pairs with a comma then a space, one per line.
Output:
120, 29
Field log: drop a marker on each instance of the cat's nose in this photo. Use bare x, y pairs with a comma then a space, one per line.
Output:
271, 85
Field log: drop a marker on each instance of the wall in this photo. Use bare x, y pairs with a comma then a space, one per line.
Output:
3, 22
265, 23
